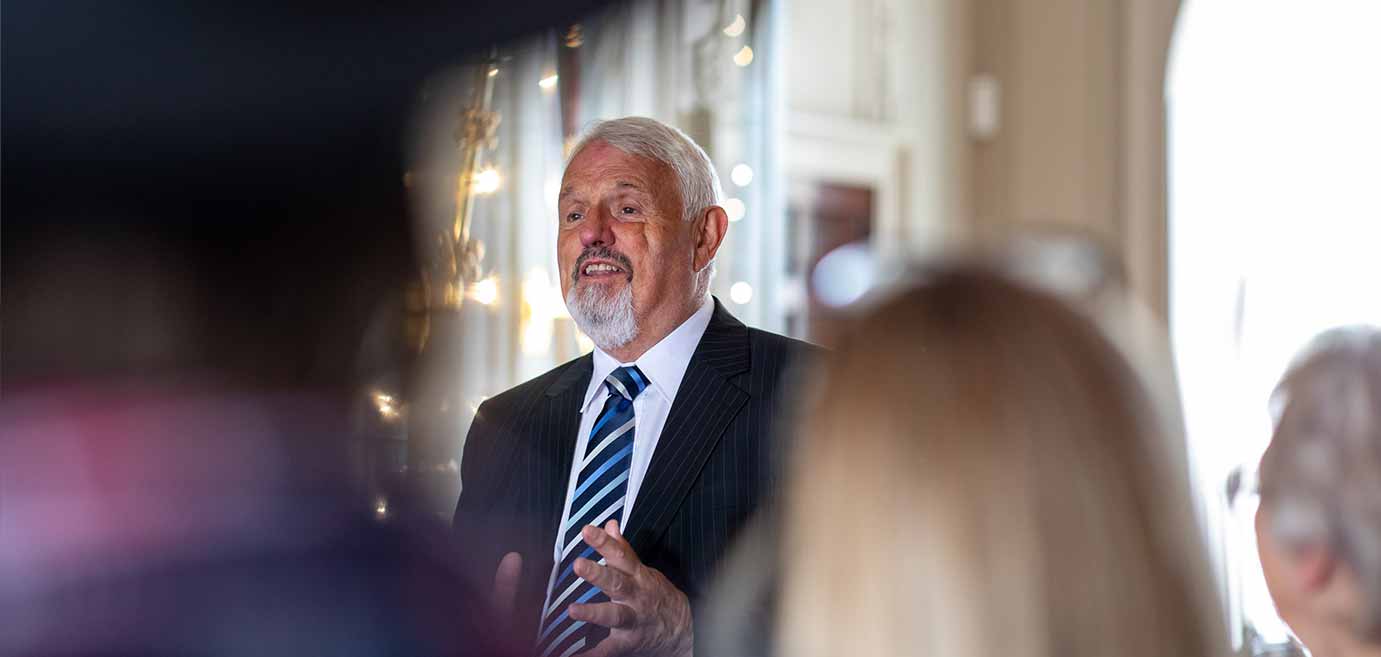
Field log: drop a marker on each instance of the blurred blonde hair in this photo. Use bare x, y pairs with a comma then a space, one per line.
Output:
981, 475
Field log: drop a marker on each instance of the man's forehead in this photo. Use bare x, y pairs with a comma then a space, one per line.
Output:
627, 183
602, 162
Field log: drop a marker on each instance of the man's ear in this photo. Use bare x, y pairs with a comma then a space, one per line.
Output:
1312, 567
709, 234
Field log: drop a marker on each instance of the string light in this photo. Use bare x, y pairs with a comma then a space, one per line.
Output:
487, 181
742, 174
735, 28
575, 36
735, 209
387, 406
381, 508
493, 72
548, 82
744, 56
741, 292
486, 291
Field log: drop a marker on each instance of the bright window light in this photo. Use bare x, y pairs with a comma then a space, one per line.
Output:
1275, 219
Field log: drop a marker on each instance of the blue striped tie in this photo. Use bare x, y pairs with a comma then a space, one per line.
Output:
599, 496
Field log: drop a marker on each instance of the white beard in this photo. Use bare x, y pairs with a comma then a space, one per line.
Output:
608, 320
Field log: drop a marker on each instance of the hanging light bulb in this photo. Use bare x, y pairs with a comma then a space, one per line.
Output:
741, 292
735, 27
487, 181
742, 174
744, 56
387, 406
735, 209
486, 291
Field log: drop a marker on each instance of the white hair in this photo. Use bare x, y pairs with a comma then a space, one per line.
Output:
657, 141
1321, 476
695, 174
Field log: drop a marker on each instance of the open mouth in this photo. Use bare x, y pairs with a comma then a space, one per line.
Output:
599, 269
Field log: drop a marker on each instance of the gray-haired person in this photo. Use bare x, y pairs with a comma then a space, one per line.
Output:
599, 498
1319, 523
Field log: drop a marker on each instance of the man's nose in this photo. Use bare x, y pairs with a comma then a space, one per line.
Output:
598, 229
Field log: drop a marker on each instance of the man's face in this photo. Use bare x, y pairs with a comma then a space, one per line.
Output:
1274, 567
621, 230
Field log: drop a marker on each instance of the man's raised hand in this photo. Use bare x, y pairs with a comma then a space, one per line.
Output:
646, 614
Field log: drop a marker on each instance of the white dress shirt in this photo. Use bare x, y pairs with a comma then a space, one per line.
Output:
664, 365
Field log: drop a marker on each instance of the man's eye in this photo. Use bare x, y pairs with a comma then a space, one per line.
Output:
629, 210
574, 216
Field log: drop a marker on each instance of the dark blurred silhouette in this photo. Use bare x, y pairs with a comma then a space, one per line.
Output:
215, 186
150, 521
1319, 523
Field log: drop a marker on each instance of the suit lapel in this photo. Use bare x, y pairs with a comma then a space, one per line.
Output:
543, 472
560, 425
705, 404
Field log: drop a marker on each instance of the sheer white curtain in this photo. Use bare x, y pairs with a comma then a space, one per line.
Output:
709, 67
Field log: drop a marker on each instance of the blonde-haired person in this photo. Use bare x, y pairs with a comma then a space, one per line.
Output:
982, 475
1319, 523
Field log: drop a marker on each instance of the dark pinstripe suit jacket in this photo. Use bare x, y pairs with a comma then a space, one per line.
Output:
714, 464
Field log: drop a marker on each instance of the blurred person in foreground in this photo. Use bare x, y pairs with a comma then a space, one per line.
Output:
985, 476
600, 497
156, 519
1319, 523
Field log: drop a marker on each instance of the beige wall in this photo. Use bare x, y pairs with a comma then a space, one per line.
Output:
1080, 142
1054, 159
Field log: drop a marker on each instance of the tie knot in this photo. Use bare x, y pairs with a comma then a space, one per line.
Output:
626, 382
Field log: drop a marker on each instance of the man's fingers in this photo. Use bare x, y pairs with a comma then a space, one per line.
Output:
615, 584
612, 615
617, 553
506, 583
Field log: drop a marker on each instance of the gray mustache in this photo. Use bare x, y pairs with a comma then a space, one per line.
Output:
602, 253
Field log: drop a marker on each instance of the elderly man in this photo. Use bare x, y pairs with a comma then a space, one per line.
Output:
601, 495
1319, 523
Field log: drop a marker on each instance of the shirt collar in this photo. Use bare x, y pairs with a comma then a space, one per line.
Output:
664, 364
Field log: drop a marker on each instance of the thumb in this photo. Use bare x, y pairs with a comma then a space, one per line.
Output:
506, 583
